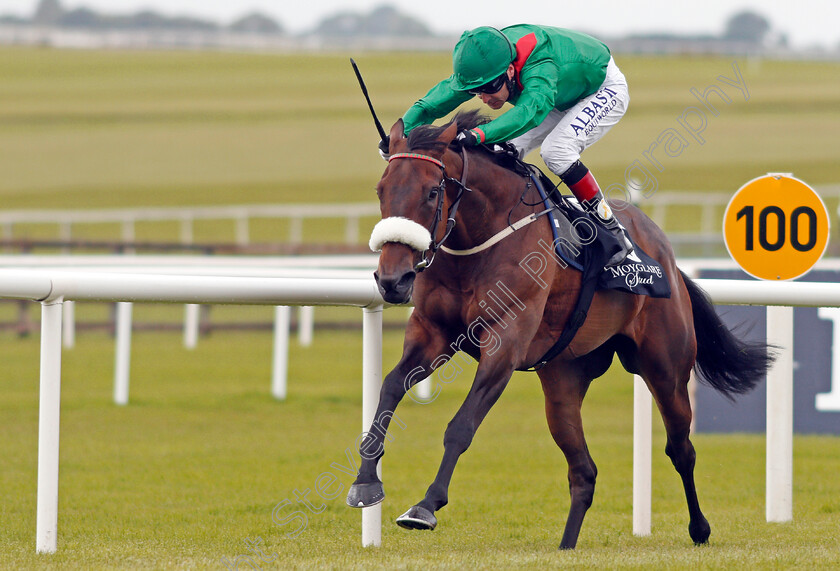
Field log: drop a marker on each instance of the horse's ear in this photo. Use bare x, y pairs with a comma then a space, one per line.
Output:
449, 133
397, 131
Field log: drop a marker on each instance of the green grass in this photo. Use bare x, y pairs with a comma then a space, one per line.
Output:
196, 463
88, 129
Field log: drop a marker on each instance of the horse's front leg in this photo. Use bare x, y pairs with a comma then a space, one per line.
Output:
424, 348
490, 381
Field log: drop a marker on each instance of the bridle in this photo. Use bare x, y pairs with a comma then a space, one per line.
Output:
428, 255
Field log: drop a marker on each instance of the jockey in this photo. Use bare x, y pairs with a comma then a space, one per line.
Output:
566, 92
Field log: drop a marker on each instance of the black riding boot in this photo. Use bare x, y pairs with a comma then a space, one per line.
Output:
600, 211
585, 188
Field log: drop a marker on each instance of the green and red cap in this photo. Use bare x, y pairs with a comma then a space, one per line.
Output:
481, 56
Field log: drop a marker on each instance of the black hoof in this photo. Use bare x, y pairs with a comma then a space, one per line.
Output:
700, 531
417, 518
365, 495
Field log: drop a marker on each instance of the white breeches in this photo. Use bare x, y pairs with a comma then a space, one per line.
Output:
563, 135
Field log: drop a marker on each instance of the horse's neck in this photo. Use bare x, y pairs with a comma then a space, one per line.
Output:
494, 193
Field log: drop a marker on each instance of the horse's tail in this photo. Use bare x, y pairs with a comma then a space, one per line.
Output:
726, 363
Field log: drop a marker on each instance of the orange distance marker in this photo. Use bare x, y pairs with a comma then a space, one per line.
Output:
776, 227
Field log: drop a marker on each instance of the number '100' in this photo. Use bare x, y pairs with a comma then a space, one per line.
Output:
780, 220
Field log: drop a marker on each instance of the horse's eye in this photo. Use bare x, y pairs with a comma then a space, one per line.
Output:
433, 193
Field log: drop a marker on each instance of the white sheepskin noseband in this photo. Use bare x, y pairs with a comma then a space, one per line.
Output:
402, 230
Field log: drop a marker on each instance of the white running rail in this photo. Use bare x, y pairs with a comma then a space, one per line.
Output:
53, 288
352, 213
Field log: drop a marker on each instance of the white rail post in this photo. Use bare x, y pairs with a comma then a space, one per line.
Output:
642, 443
243, 236
708, 218
660, 209
351, 230
46, 533
280, 358
306, 325
122, 364
128, 235
68, 325
296, 230
192, 314
371, 384
779, 493
186, 230
423, 389
65, 233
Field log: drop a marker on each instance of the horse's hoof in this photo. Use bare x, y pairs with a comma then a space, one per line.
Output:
365, 495
417, 518
699, 531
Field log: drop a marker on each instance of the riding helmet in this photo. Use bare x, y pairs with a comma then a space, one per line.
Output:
480, 56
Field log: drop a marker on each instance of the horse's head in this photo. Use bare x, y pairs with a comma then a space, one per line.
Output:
411, 198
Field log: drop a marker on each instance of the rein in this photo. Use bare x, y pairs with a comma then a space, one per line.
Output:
498, 236
434, 245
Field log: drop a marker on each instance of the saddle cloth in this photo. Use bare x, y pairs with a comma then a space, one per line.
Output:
638, 273
641, 276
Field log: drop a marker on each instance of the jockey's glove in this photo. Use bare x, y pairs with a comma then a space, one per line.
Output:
468, 138
384, 147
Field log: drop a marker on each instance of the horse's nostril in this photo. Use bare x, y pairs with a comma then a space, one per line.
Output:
397, 283
406, 280
396, 289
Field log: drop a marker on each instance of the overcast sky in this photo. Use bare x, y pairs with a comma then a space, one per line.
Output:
806, 22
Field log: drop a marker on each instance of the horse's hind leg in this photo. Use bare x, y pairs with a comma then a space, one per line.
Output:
668, 382
564, 391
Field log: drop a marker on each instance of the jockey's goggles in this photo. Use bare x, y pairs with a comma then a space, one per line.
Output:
491, 86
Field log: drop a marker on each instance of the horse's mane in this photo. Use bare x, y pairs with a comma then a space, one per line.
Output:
425, 137
470, 119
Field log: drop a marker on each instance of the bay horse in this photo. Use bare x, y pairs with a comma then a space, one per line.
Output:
660, 339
